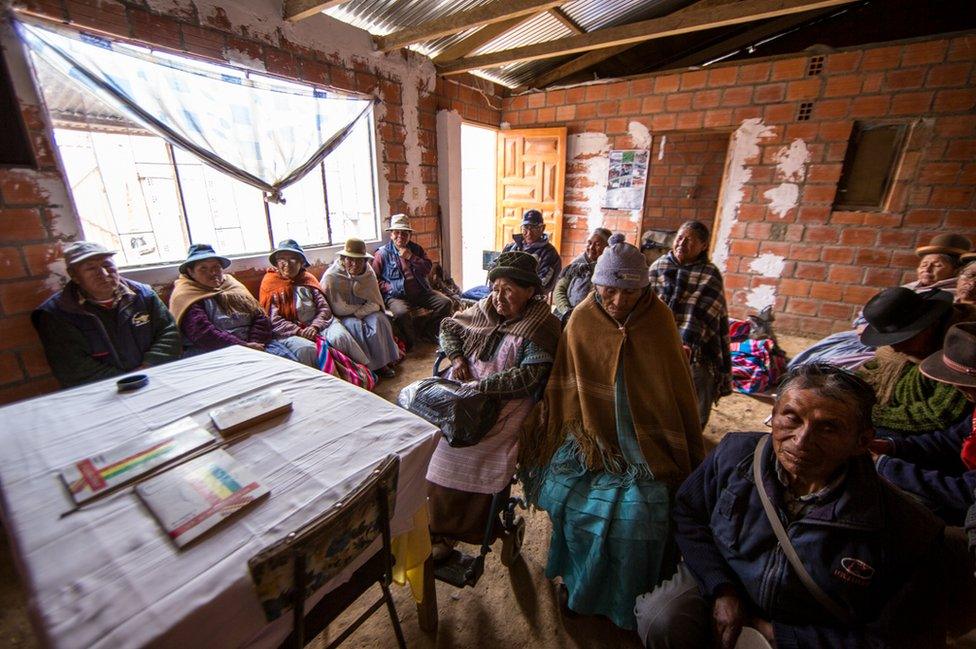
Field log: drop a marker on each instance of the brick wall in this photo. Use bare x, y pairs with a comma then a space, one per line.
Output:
785, 243
684, 179
475, 99
36, 215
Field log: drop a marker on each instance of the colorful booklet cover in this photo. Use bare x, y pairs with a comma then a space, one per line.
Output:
194, 497
250, 410
91, 476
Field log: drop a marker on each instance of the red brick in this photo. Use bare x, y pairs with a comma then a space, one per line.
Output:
911, 103
779, 113
664, 122
678, 102
882, 277
315, 72
739, 96
805, 253
826, 173
843, 86
831, 108
845, 274
158, 30
872, 257
687, 121
870, 106
805, 89
617, 90
949, 74
859, 236
843, 312
924, 53
802, 306
955, 101
816, 272
10, 370
825, 291
754, 73
896, 238
837, 255
836, 131
642, 86
105, 17
789, 69
652, 104
606, 108
744, 248
629, 106
859, 295
706, 99
556, 97
11, 265
203, 41
718, 118
35, 362
769, 93
881, 58
939, 172
962, 49
883, 219
820, 234
546, 115
21, 225
694, 80
666, 84
847, 218
872, 82
794, 287
819, 193
952, 196
343, 79
905, 79
40, 256
962, 125
565, 113
960, 219
842, 62
722, 76
22, 296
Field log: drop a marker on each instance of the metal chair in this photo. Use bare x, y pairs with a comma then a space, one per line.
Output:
287, 573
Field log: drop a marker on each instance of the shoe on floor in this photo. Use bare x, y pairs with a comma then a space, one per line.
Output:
386, 372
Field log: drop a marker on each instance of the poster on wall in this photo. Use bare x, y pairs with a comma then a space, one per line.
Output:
627, 179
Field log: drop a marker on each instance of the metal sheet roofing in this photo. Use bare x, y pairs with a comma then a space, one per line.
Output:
381, 17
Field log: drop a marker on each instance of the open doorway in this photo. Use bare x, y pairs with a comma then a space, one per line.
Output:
478, 172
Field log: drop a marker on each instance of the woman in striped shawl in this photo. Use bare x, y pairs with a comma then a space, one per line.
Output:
503, 346
691, 286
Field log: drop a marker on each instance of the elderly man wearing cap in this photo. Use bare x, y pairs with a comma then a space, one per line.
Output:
906, 327
575, 280
100, 324
401, 267
617, 432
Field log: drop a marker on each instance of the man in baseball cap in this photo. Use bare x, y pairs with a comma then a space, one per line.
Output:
101, 325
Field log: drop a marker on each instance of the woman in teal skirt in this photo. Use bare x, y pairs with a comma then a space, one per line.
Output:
615, 434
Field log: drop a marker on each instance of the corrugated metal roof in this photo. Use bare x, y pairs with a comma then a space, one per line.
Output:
381, 17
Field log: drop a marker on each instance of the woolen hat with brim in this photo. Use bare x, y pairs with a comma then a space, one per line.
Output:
946, 244
400, 222
355, 249
955, 363
516, 265
79, 251
897, 314
288, 245
199, 252
969, 257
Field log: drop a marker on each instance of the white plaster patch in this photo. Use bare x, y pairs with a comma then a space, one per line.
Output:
640, 135
591, 151
783, 198
768, 265
792, 160
660, 147
761, 297
243, 59
744, 147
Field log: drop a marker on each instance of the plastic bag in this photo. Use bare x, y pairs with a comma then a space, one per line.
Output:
464, 415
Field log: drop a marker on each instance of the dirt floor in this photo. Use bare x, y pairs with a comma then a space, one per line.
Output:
511, 608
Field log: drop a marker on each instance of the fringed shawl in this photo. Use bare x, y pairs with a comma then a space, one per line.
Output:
579, 398
480, 325
280, 293
187, 292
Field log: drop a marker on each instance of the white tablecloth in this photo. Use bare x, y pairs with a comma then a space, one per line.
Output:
108, 576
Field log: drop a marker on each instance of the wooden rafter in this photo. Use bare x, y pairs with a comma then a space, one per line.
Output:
497, 11
300, 9
479, 38
694, 21
565, 19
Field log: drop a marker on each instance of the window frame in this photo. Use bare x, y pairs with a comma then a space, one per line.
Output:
859, 126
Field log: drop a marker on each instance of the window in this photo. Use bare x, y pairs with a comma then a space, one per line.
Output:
136, 193
869, 166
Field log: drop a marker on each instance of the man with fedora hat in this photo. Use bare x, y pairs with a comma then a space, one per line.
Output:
939, 467
402, 267
906, 327
101, 325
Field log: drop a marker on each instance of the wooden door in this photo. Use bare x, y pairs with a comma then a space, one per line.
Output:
531, 174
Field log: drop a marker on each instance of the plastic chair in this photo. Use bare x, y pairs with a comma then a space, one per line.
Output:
287, 573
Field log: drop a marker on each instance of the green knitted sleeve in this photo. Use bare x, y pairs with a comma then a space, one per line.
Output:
920, 404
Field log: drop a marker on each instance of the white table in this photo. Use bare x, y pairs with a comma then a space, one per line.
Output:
108, 576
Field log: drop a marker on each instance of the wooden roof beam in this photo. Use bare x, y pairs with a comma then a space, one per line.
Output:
484, 35
495, 12
565, 19
300, 9
693, 21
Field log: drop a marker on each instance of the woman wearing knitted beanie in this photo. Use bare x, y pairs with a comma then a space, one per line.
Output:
617, 431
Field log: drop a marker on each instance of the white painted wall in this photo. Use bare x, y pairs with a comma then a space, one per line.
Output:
449, 190
478, 181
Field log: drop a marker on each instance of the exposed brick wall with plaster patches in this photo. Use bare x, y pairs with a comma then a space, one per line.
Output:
832, 261
475, 99
36, 214
684, 180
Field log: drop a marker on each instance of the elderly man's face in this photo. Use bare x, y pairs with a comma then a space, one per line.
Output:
814, 435
400, 238
595, 246
966, 285
619, 302
934, 268
97, 276
532, 233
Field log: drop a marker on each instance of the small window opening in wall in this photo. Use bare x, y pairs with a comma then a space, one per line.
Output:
15, 147
804, 112
815, 66
869, 167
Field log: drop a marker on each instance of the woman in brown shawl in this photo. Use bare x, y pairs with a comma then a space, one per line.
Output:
616, 433
503, 346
